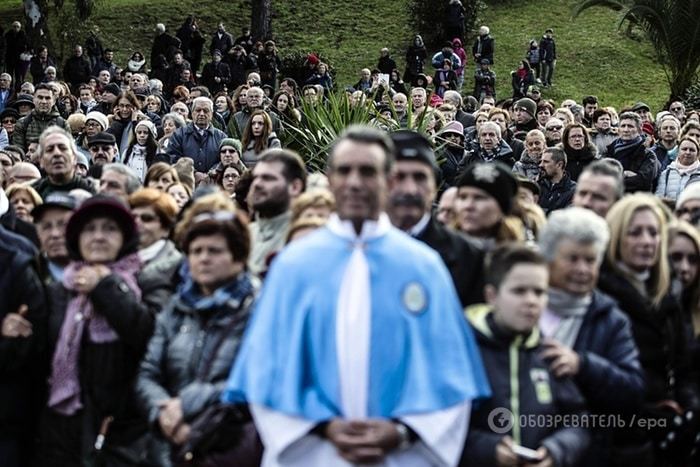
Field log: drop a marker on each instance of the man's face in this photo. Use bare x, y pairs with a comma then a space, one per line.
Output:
554, 129
365, 74
5, 81
644, 114
310, 96
500, 119
603, 123
104, 77
590, 108
270, 191
137, 81
521, 115
520, 298
85, 95
51, 229
57, 158
358, 180
43, 101
418, 99
400, 103
678, 110
669, 131
178, 59
284, 86
411, 193
446, 207
595, 192
78, 51
628, 129
102, 153
576, 139
181, 109
114, 184
109, 56
548, 166
688, 210
488, 138
202, 115
255, 98
6, 164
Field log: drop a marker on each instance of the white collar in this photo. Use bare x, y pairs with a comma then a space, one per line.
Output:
147, 254
370, 228
420, 226
4, 202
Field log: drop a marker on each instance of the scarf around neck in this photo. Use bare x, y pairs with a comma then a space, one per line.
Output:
233, 293
65, 391
685, 169
622, 145
570, 309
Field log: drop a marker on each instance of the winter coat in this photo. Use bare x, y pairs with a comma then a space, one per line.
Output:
37, 68
386, 64
203, 149
659, 334
548, 49
483, 48
638, 159
449, 158
107, 375
603, 140
520, 84
576, 161
484, 83
556, 195
215, 70
523, 384
250, 156
664, 156
238, 68
190, 355
463, 258
527, 167
20, 375
237, 124
672, 183
441, 75
415, 59
166, 45
223, 44
30, 127
502, 153
44, 187
76, 71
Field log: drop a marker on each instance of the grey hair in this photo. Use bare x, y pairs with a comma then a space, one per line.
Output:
132, 180
632, 116
160, 27
155, 85
202, 100
493, 126
453, 96
176, 118
52, 130
577, 224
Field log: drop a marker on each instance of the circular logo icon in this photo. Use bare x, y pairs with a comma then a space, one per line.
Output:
415, 298
500, 420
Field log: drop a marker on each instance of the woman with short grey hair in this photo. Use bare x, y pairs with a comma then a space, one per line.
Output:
588, 338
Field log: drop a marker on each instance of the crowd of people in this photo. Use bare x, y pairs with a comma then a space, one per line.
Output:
468, 282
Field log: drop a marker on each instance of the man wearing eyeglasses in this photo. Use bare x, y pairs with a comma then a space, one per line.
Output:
45, 114
677, 108
103, 149
553, 131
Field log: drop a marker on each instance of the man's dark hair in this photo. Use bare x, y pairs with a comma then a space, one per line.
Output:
292, 83
294, 168
610, 168
203, 91
589, 100
44, 86
367, 135
558, 154
599, 113
504, 258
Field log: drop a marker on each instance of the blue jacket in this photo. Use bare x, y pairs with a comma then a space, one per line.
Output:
203, 149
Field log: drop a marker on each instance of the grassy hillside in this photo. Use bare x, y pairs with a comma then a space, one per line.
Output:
594, 57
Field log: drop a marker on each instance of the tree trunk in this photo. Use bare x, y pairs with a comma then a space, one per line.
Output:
36, 13
261, 19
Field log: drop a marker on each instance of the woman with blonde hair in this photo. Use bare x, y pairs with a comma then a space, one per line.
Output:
160, 176
636, 274
23, 198
318, 203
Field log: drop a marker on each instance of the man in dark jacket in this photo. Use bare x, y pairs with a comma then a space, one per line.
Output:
483, 46
490, 147
23, 315
557, 189
76, 70
548, 57
412, 190
15, 44
454, 98
163, 44
216, 74
386, 64
524, 111
221, 40
28, 129
639, 163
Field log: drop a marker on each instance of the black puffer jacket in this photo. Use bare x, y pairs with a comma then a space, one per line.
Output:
637, 159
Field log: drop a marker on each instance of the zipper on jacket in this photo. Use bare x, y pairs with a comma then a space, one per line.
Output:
515, 389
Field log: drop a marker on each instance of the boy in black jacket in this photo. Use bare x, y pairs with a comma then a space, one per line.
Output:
528, 405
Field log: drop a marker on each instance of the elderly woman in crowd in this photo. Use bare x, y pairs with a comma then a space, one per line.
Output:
180, 192
198, 334
23, 198
258, 136
589, 338
155, 212
314, 203
171, 122
636, 274
485, 198
126, 115
98, 332
682, 171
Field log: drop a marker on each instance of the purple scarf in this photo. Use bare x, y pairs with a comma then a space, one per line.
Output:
64, 395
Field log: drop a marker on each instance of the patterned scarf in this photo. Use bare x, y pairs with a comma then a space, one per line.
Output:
232, 293
64, 395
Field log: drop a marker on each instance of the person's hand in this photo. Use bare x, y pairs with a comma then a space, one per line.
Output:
87, 278
170, 417
629, 173
182, 434
16, 325
363, 441
505, 457
546, 461
564, 361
